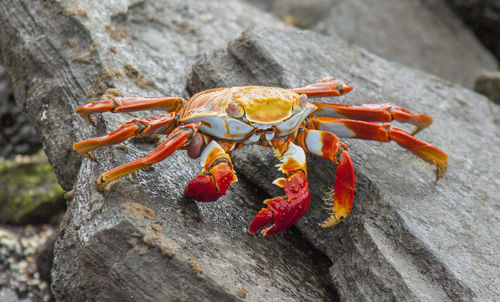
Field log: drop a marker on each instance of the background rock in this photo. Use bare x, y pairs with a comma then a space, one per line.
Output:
30, 193
488, 83
483, 16
19, 276
17, 136
424, 34
408, 237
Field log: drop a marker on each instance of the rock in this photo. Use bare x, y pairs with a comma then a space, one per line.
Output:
408, 237
19, 277
488, 83
17, 136
425, 35
109, 242
30, 193
483, 16
142, 241
303, 14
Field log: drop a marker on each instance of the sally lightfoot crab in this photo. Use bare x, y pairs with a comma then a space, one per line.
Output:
214, 122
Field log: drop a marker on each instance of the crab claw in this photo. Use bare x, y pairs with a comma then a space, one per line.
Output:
212, 184
343, 191
284, 212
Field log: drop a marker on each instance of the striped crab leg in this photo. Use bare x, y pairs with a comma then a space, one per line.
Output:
327, 145
325, 88
283, 212
129, 104
131, 129
373, 113
217, 175
178, 138
383, 132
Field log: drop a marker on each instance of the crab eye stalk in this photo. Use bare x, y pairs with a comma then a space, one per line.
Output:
234, 110
343, 87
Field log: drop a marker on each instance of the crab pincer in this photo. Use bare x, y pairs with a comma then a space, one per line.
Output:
284, 211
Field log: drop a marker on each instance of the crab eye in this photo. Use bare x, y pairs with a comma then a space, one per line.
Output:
303, 100
234, 109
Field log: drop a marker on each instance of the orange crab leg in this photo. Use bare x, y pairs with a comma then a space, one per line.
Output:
134, 128
180, 137
326, 87
327, 145
129, 104
286, 211
373, 113
383, 132
217, 176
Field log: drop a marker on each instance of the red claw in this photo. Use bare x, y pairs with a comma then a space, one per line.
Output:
343, 189
284, 212
211, 185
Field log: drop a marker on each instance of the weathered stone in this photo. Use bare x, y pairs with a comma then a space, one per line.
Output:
424, 34
488, 83
483, 16
17, 136
19, 277
303, 14
29, 190
408, 238
142, 241
109, 246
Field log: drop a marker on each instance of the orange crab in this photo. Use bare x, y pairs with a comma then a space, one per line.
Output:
217, 121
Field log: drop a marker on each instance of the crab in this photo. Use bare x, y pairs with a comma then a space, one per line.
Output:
215, 122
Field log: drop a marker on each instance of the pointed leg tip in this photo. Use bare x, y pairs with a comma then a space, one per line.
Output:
330, 222
90, 156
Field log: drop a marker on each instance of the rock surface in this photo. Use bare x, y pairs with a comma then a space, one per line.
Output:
408, 238
17, 136
19, 275
488, 83
421, 34
483, 16
29, 192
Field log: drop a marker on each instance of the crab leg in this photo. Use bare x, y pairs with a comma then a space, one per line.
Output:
326, 87
374, 113
327, 145
217, 176
134, 128
383, 132
180, 137
286, 211
129, 104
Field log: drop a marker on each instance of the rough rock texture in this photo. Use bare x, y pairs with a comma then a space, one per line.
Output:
29, 192
19, 275
303, 14
408, 238
488, 83
17, 136
483, 16
422, 34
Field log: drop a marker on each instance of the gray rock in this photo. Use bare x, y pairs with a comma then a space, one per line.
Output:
303, 14
483, 16
408, 237
421, 34
17, 136
488, 83
29, 190
116, 246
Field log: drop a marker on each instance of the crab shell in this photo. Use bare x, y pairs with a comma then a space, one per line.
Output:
247, 114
